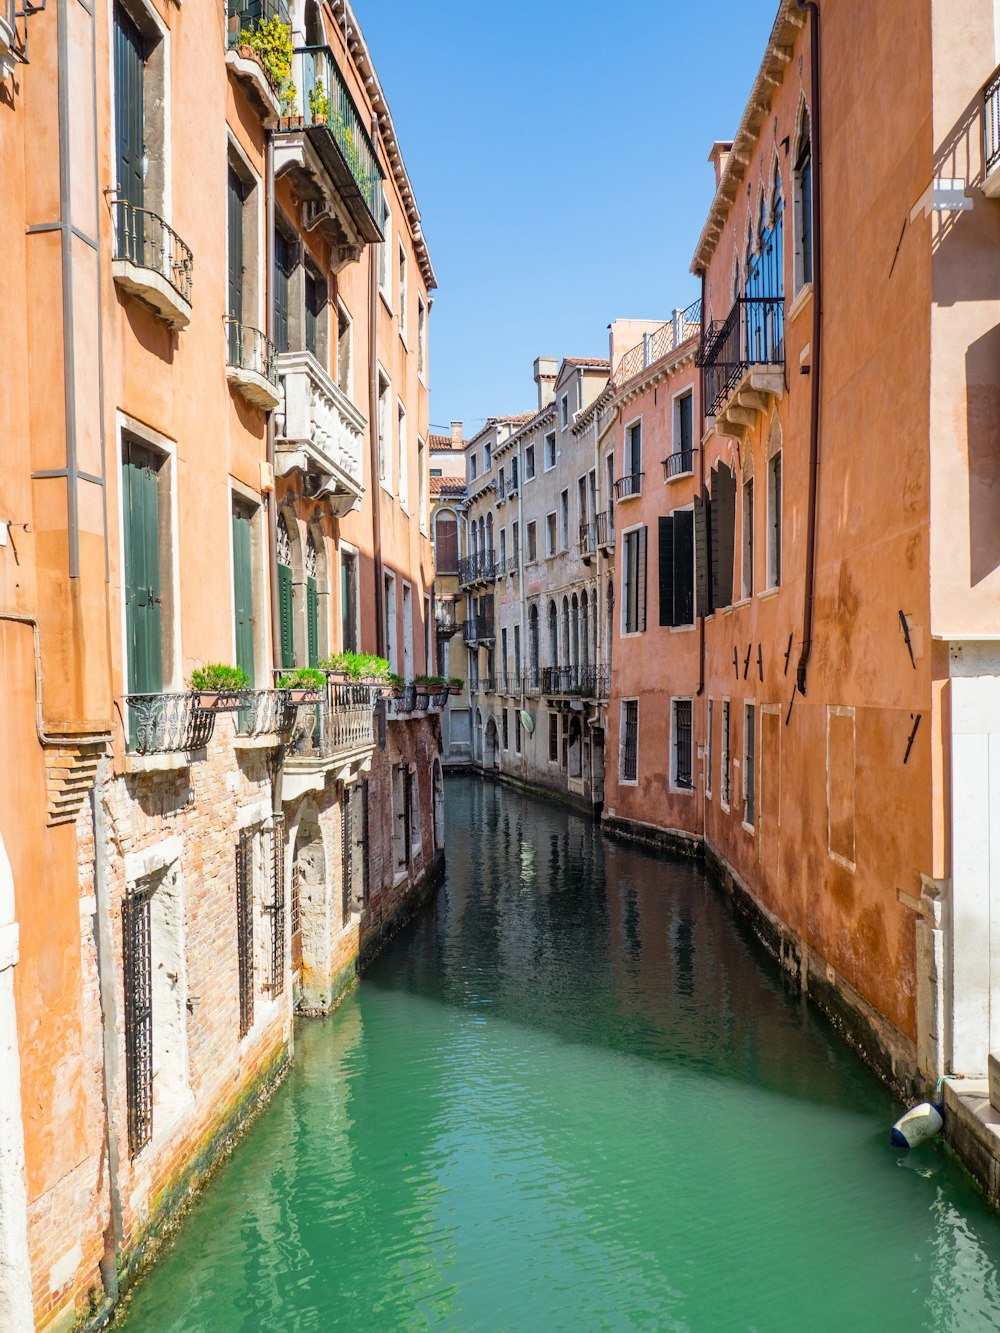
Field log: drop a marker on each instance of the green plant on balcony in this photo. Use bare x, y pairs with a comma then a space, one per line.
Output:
395, 684
271, 42
219, 686
319, 103
357, 666
455, 684
303, 684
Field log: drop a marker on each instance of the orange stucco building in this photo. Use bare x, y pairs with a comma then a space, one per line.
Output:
216, 425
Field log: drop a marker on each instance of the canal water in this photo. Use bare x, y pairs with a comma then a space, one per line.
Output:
574, 1095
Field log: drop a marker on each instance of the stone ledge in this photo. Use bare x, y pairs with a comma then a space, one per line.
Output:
163, 763
972, 1128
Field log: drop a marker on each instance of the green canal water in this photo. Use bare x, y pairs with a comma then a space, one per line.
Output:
573, 1095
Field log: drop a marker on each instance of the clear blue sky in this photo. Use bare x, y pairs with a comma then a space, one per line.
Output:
558, 152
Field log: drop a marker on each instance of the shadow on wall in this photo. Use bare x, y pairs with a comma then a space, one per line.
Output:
982, 360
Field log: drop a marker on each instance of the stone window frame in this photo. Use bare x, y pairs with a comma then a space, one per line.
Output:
157, 105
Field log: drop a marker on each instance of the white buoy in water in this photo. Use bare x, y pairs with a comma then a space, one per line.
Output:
916, 1126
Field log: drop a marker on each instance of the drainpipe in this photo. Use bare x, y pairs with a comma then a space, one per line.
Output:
380, 643
817, 238
272, 499
701, 487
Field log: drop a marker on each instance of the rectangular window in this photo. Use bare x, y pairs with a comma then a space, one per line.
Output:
564, 411
141, 518
633, 453
803, 213
422, 483
243, 588
407, 632
421, 338
403, 462
383, 429
503, 653
748, 538
500, 484
315, 307
514, 546
446, 544
581, 496
244, 927
677, 568
517, 731
513, 475
237, 195
682, 747
487, 456
402, 807
517, 657
722, 538
553, 738
550, 534
402, 292
390, 622
384, 264
550, 451
774, 521
529, 463
629, 758
472, 467
532, 541
684, 433
634, 582
348, 601
284, 266
503, 721
564, 520
138, 982
503, 548
709, 748
724, 751
343, 351
749, 742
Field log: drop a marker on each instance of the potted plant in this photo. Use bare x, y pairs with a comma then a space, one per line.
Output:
270, 42
455, 684
319, 103
303, 685
408, 698
219, 687
394, 685
424, 685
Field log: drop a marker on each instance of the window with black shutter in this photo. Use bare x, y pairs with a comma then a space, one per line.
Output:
677, 568
722, 534
634, 578
347, 855
702, 559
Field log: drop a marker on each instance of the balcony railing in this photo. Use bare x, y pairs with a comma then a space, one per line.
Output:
327, 104
991, 122
588, 682
479, 628
490, 683
752, 334
148, 245
606, 528
626, 487
445, 618
532, 680
678, 463
667, 338
167, 723
342, 721
319, 430
248, 15
479, 568
265, 713
588, 539
250, 359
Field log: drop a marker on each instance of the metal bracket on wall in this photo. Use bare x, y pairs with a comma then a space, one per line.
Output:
746, 662
788, 653
913, 733
909, 642
760, 663
736, 662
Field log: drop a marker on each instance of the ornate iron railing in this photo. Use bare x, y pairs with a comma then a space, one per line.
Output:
167, 723
341, 721
265, 713
629, 485
490, 683
480, 627
532, 681
678, 463
404, 702
144, 239
591, 681
248, 15
250, 349
606, 528
326, 101
667, 338
991, 122
479, 568
445, 618
752, 334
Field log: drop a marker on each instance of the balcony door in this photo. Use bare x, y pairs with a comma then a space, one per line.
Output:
243, 589
286, 612
235, 233
129, 100
312, 603
141, 515
282, 273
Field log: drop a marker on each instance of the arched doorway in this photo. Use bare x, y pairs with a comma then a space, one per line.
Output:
477, 739
491, 760
310, 946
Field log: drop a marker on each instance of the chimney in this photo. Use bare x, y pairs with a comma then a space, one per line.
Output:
456, 434
719, 156
546, 369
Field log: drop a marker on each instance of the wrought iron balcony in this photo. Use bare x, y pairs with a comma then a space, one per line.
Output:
318, 431
532, 681
167, 723
587, 682
250, 364
658, 344
335, 728
678, 464
479, 628
152, 262
628, 486
744, 354
606, 529
991, 134
490, 683
588, 540
445, 618
265, 713
242, 18
482, 567
325, 145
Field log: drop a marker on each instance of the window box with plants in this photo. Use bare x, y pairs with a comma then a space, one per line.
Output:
303, 686
219, 688
424, 688
455, 685
357, 668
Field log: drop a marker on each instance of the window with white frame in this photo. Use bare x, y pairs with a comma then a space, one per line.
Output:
803, 205
682, 746
633, 453
749, 764
683, 433
634, 581
391, 649
422, 483
709, 748
748, 537
724, 756
529, 463
487, 456
550, 534
402, 470
774, 520
402, 292
564, 520
473, 467
532, 534
344, 349
421, 337
628, 770
564, 411
503, 547
383, 429
553, 738
550, 451
384, 252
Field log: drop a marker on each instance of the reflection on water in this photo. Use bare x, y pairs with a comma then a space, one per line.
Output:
573, 1096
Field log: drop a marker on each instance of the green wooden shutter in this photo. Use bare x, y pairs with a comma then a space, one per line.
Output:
702, 567
666, 571
243, 592
641, 581
282, 269
235, 235
312, 621
286, 616
723, 534
129, 98
141, 516
683, 567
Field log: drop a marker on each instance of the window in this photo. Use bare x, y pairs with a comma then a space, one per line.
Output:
487, 457
517, 656
748, 537
384, 265
683, 433
422, 483
472, 467
284, 267
343, 350
722, 535
550, 534
146, 514
514, 546
390, 622
286, 612
315, 310
532, 541
564, 520
709, 748
445, 544
581, 496
402, 824
529, 463
513, 475
774, 521
503, 721
803, 207
503, 549
402, 471
681, 765
633, 452
553, 738
517, 730
749, 724
421, 337
550, 451
243, 587
242, 250
677, 568
348, 600
634, 582
724, 757
564, 411
142, 168
629, 758
503, 654
383, 429
312, 596
500, 481
402, 292
407, 632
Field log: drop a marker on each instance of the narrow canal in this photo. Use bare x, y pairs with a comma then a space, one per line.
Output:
572, 1095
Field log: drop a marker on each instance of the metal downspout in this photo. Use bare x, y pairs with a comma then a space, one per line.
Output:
815, 352
701, 487
380, 638
272, 499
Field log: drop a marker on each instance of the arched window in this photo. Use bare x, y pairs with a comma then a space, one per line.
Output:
802, 191
575, 631
566, 659
488, 548
553, 635
445, 544
312, 602
585, 630
286, 616
609, 609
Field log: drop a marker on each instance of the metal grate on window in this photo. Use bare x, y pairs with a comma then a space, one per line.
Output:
347, 854
276, 907
244, 927
365, 873
682, 743
630, 741
138, 978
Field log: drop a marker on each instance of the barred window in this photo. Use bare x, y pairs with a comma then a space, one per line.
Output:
682, 766
724, 756
138, 978
629, 761
749, 785
553, 738
244, 927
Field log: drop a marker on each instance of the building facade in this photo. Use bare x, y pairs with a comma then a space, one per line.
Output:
218, 456
448, 506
